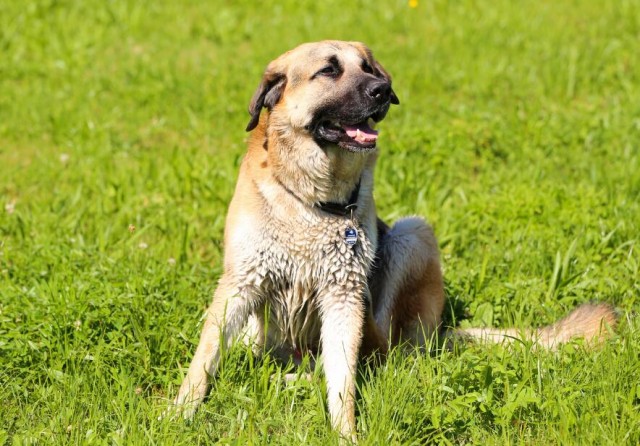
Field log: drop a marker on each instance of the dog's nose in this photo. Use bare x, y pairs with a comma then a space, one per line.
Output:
379, 91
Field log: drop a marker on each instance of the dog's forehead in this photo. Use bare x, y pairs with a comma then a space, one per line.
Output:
346, 52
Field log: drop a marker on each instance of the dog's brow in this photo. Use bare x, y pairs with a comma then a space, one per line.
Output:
334, 60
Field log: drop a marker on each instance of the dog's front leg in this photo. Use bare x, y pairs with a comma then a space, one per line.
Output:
342, 314
225, 318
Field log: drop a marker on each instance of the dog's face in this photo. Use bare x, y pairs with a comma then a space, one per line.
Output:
332, 91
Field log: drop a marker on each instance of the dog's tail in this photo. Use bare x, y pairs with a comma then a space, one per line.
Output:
593, 322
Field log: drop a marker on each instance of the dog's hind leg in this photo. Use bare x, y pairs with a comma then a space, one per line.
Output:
406, 284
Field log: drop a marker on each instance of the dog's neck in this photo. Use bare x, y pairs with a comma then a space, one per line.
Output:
342, 209
312, 173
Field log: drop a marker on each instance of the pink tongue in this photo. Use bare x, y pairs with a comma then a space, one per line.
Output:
361, 132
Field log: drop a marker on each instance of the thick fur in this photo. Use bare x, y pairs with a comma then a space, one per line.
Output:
286, 260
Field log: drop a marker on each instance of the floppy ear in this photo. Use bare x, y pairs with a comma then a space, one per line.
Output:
267, 95
393, 98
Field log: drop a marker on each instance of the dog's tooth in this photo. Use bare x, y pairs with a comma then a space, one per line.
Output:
358, 135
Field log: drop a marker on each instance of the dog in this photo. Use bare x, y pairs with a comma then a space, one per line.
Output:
304, 253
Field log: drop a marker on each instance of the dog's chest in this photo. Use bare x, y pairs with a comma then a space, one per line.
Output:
301, 267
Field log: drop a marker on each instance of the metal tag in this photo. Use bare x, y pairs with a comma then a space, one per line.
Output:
351, 236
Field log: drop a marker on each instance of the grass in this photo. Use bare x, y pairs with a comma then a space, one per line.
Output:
518, 137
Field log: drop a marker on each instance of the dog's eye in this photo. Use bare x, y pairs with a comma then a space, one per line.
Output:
329, 70
366, 67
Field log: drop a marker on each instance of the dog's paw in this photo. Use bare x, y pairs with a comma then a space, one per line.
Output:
175, 412
188, 399
292, 377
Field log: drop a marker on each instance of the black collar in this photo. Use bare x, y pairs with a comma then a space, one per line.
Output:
340, 209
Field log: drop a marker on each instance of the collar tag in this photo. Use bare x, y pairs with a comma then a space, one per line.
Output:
351, 236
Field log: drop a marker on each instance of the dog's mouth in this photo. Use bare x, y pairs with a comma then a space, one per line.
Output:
355, 137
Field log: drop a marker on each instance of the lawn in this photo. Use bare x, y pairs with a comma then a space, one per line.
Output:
121, 132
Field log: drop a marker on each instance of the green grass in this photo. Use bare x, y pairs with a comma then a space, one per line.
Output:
518, 137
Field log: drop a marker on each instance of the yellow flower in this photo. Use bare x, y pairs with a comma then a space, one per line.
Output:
413, 3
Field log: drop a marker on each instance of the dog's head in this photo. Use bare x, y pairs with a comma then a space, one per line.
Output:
334, 91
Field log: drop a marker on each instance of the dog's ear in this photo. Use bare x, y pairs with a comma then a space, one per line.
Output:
267, 95
394, 98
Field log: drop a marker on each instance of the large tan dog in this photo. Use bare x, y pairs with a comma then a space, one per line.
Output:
303, 246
